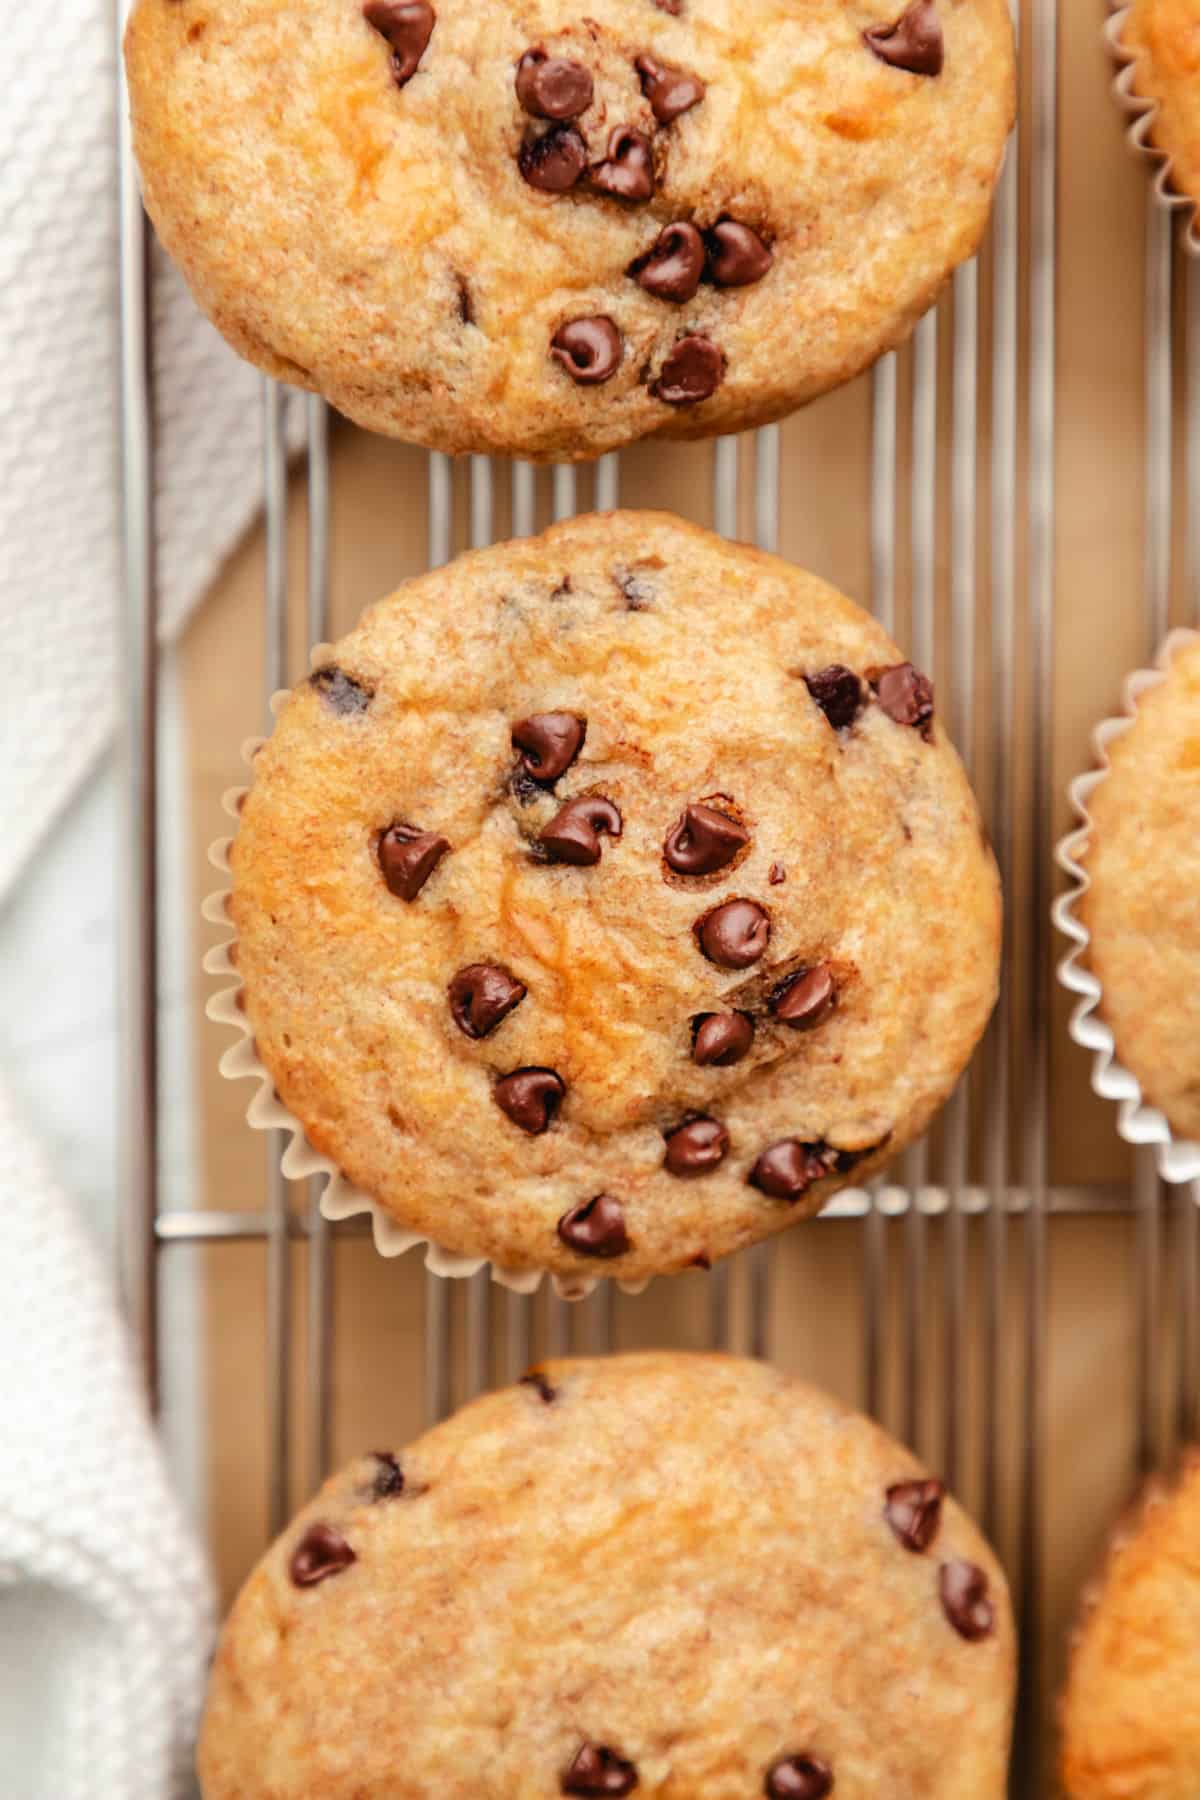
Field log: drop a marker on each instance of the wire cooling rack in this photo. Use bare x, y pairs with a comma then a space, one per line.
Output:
953, 1249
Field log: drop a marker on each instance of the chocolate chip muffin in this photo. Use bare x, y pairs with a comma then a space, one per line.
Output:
1130, 1715
1161, 38
683, 1576
1140, 905
607, 900
554, 228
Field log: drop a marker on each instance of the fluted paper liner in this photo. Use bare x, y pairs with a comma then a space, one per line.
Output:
266, 1112
1137, 1121
1142, 114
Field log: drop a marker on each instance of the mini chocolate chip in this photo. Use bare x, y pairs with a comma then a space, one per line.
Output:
481, 995
806, 998
696, 1147
530, 1098
595, 1227
670, 91
549, 743
913, 42
535, 1379
914, 1511
801, 1777
389, 1477
573, 834
838, 692
408, 856
598, 1770
408, 26
776, 874
466, 306
737, 256
321, 1552
588, 349
672, 267
965, 1600
905, 696
627, 171
734, 935
787, 1170
721, 1039
703, 840
694, 369
553, 162
552, 87
674, 7
339, 691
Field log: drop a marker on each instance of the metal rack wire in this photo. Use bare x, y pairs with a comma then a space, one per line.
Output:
954, 1255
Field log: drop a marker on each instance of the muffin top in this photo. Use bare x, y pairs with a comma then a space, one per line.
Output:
1130, 1714
1163, 38
606, 900
686, 1576
552, 229
1143, 865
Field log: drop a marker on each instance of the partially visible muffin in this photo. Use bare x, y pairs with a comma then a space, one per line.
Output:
1163, 38
1142, 907
1131, 1711
689, 1577
606, 901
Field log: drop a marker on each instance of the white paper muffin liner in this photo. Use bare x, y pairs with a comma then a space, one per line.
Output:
1142, 114
1138, 1122
266, 1112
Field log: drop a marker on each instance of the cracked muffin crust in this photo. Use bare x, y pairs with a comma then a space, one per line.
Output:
552, 229
1163, 38
1130, 1719
681, 1576
1141, 903
607, 900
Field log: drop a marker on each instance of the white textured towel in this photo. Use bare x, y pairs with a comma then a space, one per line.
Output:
104, 1613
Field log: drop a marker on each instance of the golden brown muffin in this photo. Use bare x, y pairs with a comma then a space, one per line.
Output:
687, 1576
1163, 38
551, 229
1142, 907
607, 900
1130, 1714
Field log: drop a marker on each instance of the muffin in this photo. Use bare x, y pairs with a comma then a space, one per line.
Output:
688, 1576
553, 229
607, 900
1130, 1715
1161, 39
1142, 863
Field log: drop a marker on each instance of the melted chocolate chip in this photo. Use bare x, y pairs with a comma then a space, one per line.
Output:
553, 162
696, 1147
965, 1600
573, 834
737, 256
913, 1509
806, 998
905, 696
588, 349
530, 1098
321, 1552
721, 1039
786, 1170
389, 1477
549, 744
913, 43
552, 87
672, 267
801, 1777
340, 692
734, 935
703, 840
408, 857
627, 171
776, 874
598, 1770
595, 1228
481, 995
838, 692
466, 306
693, 370
670, 91
408, 26
536, 1380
